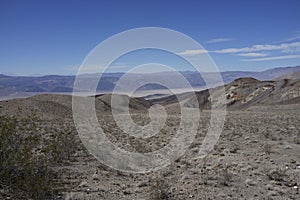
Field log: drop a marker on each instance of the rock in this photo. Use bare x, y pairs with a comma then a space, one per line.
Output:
143, 184
95, 177
83, 184
269, 187
225, 151
181, 192
247, 168
272, 194
183, 178
257, 173
250, 182
279, 190
288, 147
127, 192
222, 195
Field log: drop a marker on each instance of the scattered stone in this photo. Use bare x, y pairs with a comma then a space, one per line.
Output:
247, 168
293, 161
83, 184
95, 177
269, 187
250, 182
127, 192
288, 147
272, 193
221, 195
183, 178
143, 184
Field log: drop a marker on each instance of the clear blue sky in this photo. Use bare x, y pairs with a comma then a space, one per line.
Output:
54, 37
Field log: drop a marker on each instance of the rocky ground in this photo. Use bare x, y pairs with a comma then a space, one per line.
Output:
256, 157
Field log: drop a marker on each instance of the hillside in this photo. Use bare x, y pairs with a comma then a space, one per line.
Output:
243, 93
257, 154
295, 75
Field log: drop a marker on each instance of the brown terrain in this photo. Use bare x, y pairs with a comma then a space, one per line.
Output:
256, 157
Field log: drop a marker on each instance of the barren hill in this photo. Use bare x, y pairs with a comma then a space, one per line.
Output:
295, 75
243, 93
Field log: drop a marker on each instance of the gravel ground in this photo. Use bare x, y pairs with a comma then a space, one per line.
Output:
256, 157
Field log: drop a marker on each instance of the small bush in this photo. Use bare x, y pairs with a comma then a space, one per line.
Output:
226, 176
160, 189
27, 156
22, 168
267, 148
277, 174
61, 147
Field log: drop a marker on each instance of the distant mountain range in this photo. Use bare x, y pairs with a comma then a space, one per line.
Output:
19, 86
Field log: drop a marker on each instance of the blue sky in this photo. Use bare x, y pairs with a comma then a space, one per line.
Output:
54, 37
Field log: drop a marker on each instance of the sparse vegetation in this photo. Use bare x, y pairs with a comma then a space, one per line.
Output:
225, 176
267, 148
297, 139
266, 134
237, 168
22, 166
160, 189
26, 159
277, 174
61, 146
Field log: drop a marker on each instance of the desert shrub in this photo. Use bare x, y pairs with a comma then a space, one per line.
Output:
23, 167
277, 174
225, 175
266, 134
297, 138
61, 147
267, 148
160, 189
30, 152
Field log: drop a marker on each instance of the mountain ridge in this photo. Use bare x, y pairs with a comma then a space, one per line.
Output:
21, 85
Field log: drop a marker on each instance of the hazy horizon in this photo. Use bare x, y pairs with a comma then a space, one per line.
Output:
123, 72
